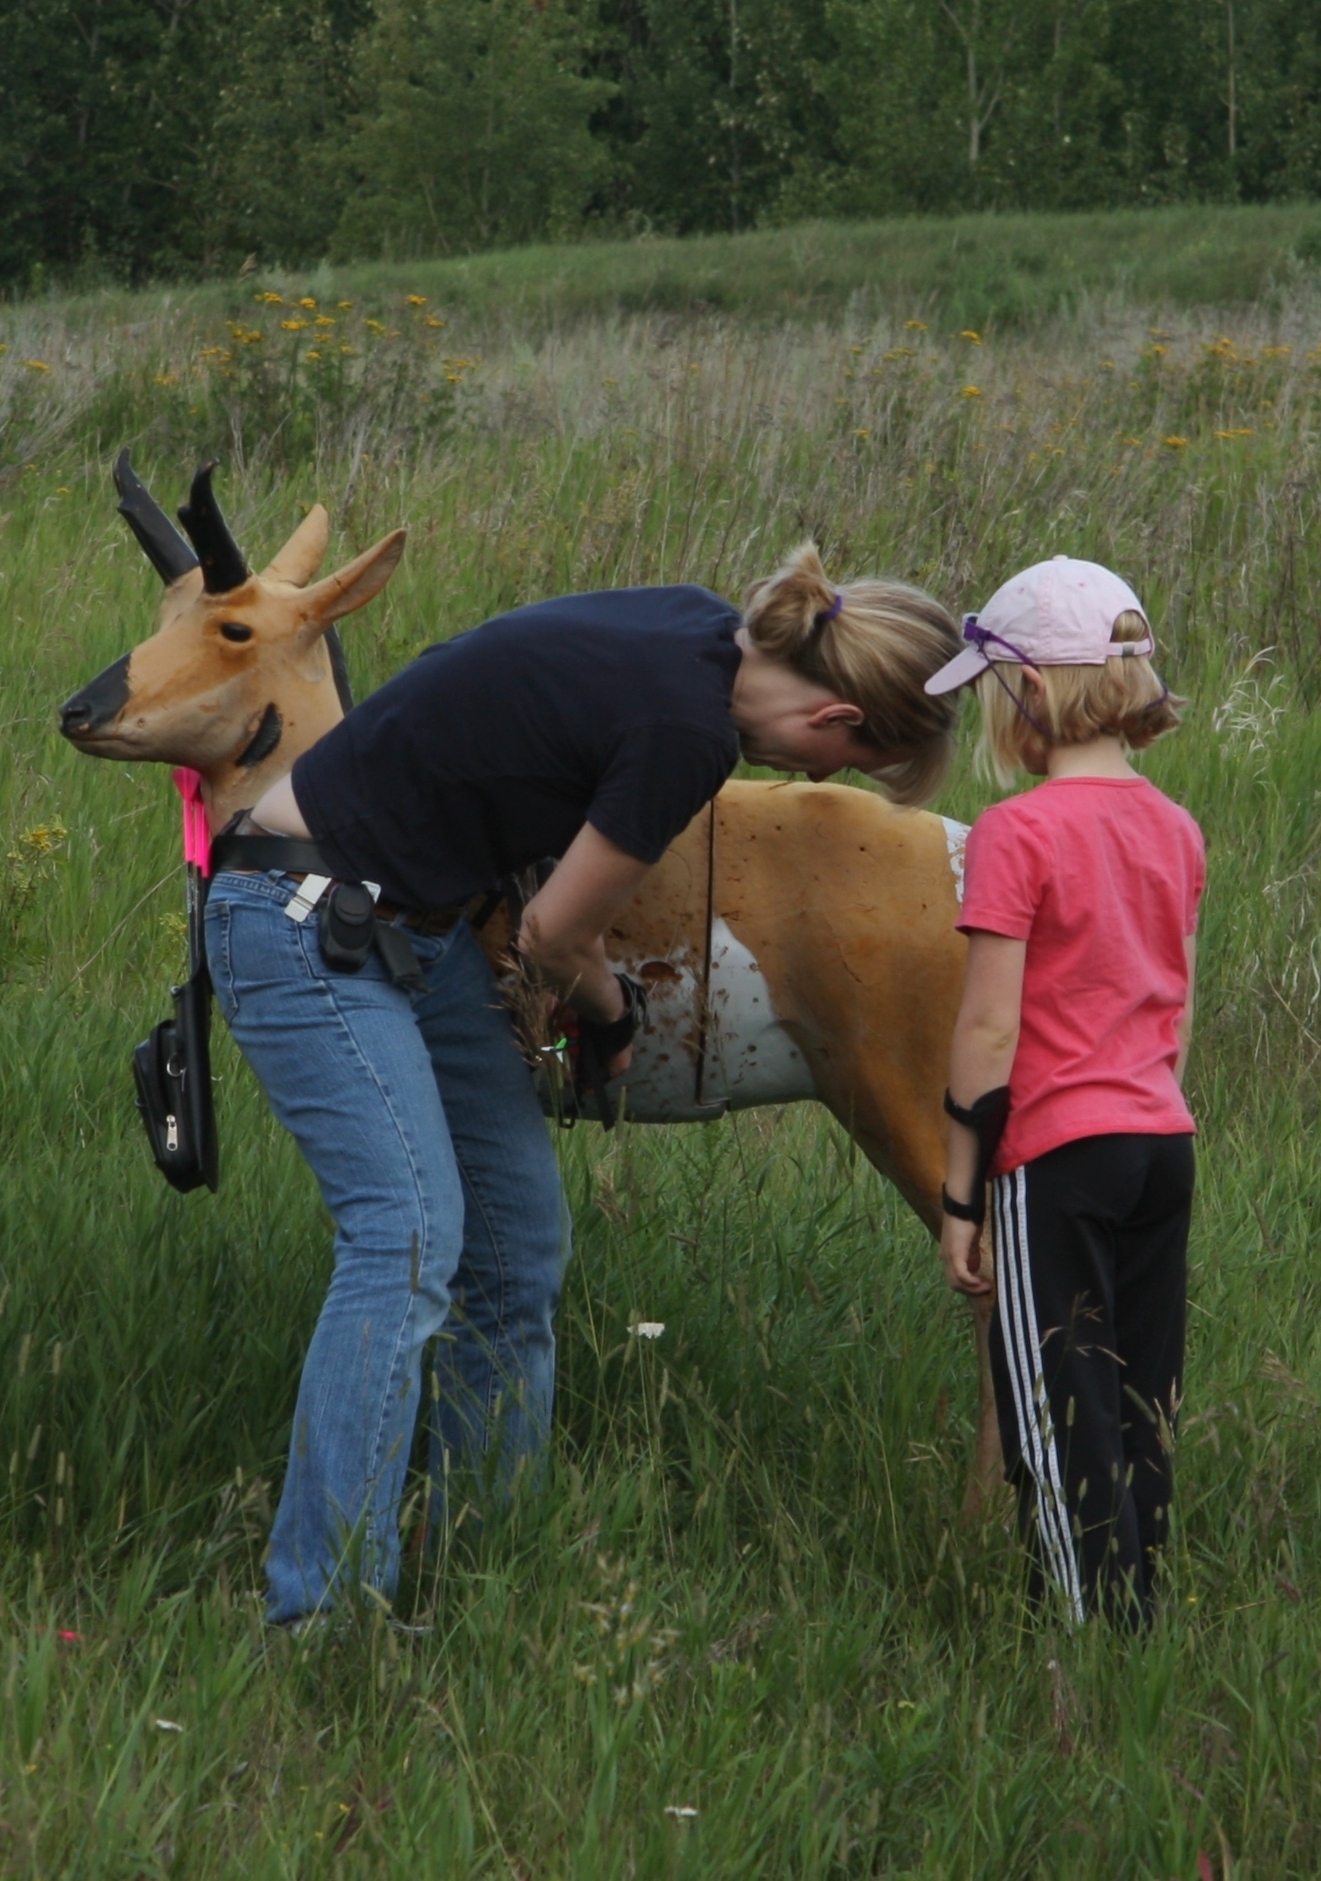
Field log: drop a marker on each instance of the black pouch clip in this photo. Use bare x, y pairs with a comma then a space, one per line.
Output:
398, 958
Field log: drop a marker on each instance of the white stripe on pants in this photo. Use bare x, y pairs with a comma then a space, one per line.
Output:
1036, 1433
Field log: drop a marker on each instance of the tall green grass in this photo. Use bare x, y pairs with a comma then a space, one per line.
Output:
744, 1592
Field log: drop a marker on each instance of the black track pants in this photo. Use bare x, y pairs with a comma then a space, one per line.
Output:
1087, 1356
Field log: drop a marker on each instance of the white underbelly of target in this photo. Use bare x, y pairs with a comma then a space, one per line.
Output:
749, 1057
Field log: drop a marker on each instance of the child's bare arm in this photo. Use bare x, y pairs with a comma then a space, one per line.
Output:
1185, 1027
981, 1056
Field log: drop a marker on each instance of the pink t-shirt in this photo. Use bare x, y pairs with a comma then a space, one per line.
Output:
1101, 876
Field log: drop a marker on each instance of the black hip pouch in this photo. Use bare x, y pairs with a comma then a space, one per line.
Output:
346, 927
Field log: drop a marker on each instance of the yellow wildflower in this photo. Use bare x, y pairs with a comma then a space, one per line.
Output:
971, 391
36, 365
968, 334
323, 320
916, 326
431, 321
270, 300
344, 305
307, 301
1175, 443
312, 353
346, 349
1240, 431
862, 434
43, 839
293, 326
415, 300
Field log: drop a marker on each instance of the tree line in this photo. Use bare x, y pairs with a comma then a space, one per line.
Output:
144, 138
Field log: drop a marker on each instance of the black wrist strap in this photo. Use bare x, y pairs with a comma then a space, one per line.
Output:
962, 1211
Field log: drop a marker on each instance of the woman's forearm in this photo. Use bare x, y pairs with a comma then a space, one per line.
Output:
578, 974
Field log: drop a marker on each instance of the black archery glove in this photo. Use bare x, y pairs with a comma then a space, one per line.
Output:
599, 1042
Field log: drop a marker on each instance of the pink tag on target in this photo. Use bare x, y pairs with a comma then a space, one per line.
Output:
196, 829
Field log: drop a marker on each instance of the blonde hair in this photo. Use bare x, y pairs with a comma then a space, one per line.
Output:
1122, 699
876, 652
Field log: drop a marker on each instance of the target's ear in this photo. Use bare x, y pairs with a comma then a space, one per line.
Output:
353, 586
301, 555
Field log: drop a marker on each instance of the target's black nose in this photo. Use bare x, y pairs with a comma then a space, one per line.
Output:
97, 704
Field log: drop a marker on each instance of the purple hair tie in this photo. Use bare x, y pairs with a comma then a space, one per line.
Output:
829, 613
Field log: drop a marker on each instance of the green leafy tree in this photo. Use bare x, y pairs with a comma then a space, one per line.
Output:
474, 128
717, 107
895, 84
104, 106
278, 136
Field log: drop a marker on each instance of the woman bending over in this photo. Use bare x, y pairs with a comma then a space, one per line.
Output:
591, 729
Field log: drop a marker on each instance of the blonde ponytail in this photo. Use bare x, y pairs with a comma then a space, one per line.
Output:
874, 644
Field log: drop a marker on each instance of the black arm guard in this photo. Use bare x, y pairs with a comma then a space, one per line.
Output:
986, 1118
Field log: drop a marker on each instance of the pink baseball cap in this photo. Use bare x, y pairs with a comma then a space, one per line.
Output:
1057, 613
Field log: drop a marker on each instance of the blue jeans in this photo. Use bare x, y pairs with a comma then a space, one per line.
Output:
419, 1120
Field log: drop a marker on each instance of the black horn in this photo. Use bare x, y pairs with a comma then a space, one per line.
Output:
223, 566
165, 548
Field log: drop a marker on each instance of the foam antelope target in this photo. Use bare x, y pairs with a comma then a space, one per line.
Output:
244, 671
797, 940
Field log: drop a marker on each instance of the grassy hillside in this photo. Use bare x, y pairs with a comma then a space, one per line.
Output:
744, 1596
968, 270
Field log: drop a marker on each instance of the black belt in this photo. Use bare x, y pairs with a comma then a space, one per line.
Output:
297, 855
291, 855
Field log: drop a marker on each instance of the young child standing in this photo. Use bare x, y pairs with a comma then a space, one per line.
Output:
1066, 1072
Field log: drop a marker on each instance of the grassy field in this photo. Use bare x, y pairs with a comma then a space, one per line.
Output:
741, 1633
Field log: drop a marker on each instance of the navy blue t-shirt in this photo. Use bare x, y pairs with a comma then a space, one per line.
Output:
490, 751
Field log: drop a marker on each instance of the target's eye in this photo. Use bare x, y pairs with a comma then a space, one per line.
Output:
232, 631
